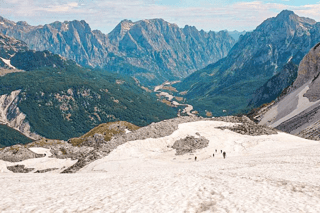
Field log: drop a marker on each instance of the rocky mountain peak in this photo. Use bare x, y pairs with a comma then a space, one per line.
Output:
285, 14
286, 21
22, 23
120, 30
4, 22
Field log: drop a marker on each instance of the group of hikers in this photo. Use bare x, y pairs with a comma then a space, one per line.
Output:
223, 154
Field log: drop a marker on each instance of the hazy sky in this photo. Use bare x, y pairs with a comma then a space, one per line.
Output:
204, 14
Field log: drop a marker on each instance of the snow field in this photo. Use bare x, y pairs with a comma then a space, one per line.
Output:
275, 173
277, 182
39, 163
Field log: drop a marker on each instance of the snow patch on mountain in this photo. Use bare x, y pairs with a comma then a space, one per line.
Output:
8, 62
40, 150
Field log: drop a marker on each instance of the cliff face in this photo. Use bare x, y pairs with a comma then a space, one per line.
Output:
150, 50
11, 115
231, 82
298, 111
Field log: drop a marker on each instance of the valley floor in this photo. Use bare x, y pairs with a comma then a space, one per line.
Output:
268, 173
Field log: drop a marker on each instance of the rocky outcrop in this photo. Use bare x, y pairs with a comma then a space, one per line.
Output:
250, 129
19, 169
189, 144
150, 50
230, 83
18, 153
102, 133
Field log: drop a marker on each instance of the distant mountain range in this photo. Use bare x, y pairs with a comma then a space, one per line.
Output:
152, 51
44, 94
236, 34
227, 86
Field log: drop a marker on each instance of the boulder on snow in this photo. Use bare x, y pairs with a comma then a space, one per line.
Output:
189, 144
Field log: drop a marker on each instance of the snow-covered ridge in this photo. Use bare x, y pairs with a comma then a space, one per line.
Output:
9, 105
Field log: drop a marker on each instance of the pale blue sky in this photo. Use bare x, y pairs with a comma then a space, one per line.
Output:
204, 14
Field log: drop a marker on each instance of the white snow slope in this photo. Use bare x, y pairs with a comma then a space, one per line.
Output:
292, 105
275, 173
39, 163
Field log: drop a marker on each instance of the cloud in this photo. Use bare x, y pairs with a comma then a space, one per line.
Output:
62, 8
106, 14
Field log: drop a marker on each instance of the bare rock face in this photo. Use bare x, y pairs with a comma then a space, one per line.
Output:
11, 115
189, 144
250, 129
246, 126
309, 71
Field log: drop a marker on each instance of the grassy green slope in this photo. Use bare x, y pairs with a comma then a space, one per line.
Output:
95, 98
11, 137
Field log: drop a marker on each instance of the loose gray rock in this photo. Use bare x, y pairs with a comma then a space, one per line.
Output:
189, 144
18, 153
19, 169
45, 170
250, 128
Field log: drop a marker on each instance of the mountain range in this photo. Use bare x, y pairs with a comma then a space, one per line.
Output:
45, 95
40, 89
152, 51
227, 86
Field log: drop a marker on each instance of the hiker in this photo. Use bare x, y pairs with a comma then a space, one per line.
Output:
216, 150
221, 150
224, 154
195, 158
213, 155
